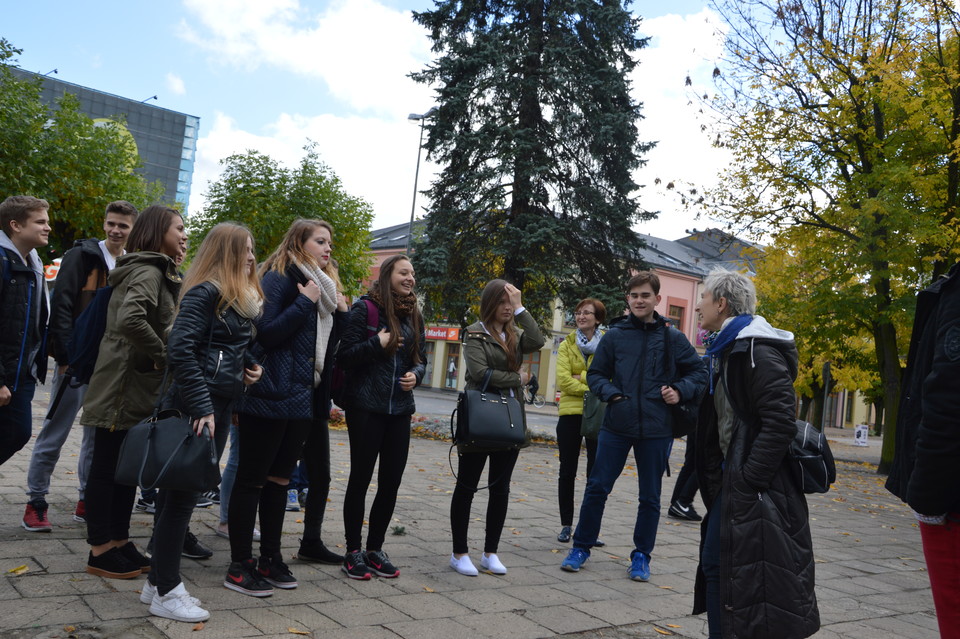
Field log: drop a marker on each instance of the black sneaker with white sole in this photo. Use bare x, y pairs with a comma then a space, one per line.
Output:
244, 577
276, 573
355, 566
379, 564
193, 549
681, 511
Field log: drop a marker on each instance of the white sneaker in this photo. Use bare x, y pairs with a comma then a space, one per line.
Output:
178, 605
492, 564
147, 592
463, 565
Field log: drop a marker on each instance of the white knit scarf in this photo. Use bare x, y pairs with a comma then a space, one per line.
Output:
325, 307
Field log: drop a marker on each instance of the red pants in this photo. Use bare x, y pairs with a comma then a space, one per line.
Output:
941, 549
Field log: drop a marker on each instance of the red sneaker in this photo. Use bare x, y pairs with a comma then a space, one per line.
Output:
80, 514
35, 516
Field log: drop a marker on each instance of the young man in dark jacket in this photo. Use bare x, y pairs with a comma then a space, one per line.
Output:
925, 466
83, 270
632, 373
23, 324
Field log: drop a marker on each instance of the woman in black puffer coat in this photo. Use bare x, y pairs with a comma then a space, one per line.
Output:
209, 361
756, 574
383, 352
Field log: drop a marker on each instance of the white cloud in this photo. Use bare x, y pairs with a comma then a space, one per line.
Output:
362, 49
680, 46
375, 159
175, 84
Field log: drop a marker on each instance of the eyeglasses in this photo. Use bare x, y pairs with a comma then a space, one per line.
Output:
584, 313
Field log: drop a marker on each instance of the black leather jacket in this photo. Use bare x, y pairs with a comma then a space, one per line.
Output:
371, 373
207, 350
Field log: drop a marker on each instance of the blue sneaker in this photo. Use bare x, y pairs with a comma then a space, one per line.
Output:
639, 566
575, 558
293, 501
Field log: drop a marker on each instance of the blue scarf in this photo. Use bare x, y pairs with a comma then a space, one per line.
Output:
718, 342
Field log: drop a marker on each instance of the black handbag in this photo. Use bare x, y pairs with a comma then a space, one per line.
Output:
487, 420
813, 466
163, 451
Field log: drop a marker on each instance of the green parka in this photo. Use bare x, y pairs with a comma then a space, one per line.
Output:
133, 353
482, 351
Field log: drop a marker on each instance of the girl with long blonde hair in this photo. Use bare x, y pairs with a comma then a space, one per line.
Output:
297, 335
210, 363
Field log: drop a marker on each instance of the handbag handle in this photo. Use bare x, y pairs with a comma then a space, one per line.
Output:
486, 380
173, 454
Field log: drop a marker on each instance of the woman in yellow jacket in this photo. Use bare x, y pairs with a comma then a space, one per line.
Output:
573, 360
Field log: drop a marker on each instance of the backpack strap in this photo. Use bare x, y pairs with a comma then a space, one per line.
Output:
373, 318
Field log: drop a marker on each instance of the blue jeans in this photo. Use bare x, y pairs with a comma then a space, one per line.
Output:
710, 564
651, 457
16, 420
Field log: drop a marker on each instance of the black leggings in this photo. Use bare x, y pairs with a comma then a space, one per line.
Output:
174, 509
568, 444
108, 504
687, 484
373, 435
268, 448
468, 479
316, 461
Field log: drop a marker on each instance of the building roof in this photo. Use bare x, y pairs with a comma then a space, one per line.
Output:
695, 255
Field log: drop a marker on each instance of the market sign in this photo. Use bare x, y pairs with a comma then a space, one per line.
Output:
443, 333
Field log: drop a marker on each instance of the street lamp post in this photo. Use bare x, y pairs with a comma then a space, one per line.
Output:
421, 117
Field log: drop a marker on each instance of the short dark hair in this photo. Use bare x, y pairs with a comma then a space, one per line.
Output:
151, 225
644, 277
599, 310
122, 207
17, 208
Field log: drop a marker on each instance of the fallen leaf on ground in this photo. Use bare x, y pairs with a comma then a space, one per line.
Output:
198, 626
297, 632
19, 570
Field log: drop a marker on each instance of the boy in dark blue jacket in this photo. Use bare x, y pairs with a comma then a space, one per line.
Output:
23, 323
631, 371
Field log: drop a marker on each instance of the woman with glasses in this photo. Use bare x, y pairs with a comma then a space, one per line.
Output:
573, 360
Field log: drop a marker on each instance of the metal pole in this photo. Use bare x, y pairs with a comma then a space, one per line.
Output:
416, 176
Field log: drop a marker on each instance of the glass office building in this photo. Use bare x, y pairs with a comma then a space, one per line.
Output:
166, 140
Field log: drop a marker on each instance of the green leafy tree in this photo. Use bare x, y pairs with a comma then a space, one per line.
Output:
255, 190
62, 156
842, 121
536, 133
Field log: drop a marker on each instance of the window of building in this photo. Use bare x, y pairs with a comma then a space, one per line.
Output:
532, 362
428, 374
675, 315
452, 366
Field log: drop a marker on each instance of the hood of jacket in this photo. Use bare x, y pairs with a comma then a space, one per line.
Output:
33, 258
127, 264
758, 331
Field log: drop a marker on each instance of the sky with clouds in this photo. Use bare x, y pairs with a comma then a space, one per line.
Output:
272, 74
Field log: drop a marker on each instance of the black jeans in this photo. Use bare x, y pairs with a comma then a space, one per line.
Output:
468, 479
174, 509
372, 436
568, 445
316, 461
108, 504
268, 448
687, 484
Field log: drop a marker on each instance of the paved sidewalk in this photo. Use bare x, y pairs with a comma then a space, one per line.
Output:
871, 578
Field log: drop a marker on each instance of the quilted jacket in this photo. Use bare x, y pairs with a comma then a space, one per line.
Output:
766, 552
286, 348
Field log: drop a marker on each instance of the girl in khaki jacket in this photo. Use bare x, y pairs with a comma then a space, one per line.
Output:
495, 344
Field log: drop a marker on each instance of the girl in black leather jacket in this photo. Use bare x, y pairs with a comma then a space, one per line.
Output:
383, 358
208, 358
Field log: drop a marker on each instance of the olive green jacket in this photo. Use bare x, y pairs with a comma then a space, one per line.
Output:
482, 352
126, 382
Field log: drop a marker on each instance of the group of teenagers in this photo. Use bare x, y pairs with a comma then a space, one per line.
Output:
278, 328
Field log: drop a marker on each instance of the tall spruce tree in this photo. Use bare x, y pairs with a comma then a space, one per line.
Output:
536, 133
